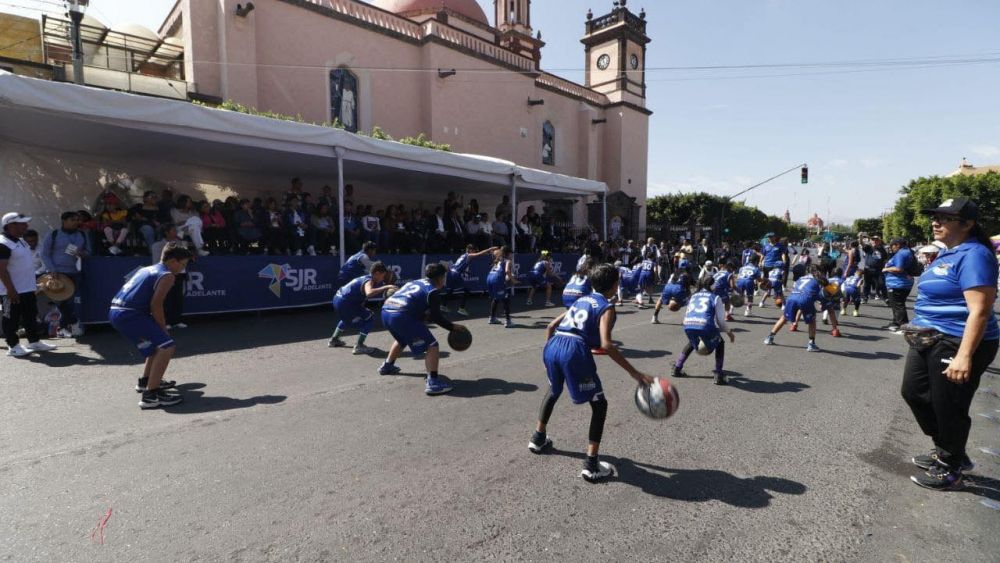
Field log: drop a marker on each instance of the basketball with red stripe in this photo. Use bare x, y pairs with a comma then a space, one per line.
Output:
659, 400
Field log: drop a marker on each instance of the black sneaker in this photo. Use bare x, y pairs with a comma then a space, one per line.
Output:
930, 460
678, 372
940, 478
158, 398
140, 387
720, 378
597, 472
539, 443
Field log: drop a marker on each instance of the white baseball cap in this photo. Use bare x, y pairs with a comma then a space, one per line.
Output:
12, 218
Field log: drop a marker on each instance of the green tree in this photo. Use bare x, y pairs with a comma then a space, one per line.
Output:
744, 222
871, 226
906, 221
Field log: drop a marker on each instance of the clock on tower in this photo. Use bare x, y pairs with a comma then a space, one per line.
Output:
615, 47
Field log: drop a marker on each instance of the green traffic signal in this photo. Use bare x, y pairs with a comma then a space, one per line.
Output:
805, 174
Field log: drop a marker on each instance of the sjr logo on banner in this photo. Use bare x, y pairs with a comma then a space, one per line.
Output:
195, 287
301, 279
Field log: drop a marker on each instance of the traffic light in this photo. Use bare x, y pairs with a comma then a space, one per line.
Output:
805, 174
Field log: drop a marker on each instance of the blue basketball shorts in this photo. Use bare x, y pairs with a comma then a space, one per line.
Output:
497, 288
537, 281
674, 293
569, 363
409, 331
455, 282
645, 279
710, 336
793, 306
745, 287
141, 330
353, 315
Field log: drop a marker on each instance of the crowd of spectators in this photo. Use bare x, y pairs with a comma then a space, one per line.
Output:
298, 223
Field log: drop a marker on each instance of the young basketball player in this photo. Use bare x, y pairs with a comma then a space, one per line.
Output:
676, 291
349, 302
746, 282
403, 315
645, 278
137, 313
578, 285
542, 277
725, 283
499, 283
456, 277
704, 322
805, 293
852, 287
775, 278
569, 362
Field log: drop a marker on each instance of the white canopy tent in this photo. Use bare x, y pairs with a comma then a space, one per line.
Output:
214, 144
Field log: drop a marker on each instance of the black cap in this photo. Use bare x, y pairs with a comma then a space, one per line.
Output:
899, 241
961, 206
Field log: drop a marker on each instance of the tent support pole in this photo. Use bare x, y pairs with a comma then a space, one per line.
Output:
513, 213
340, 202
604, 202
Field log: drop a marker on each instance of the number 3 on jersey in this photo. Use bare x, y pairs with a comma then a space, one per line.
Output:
699, 304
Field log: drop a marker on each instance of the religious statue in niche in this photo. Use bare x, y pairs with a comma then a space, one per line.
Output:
344, 98
548, 144
615, 227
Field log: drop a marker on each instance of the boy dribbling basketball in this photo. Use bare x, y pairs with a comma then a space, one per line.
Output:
569, 362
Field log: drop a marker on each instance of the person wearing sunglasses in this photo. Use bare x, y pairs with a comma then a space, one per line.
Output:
953, 338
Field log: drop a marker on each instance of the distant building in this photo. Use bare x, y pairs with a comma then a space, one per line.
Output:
788, 216
967, 169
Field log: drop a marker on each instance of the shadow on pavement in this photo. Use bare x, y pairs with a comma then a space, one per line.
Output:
644, 354
738, 381
867, 355
196, 401
698, 485
57, 359
982, 486
468, 389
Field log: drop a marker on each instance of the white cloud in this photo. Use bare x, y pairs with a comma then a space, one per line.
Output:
987, 151
872, 162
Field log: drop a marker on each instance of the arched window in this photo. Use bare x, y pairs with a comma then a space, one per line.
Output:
548, 143
344, 98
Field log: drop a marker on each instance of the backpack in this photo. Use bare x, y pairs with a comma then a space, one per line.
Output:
914, 267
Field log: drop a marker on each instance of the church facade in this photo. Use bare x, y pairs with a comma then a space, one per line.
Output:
437, 67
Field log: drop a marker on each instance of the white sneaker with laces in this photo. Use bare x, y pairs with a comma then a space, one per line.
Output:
604, 470
549, 304
39, 347
17, 351
63, 333
362, 350
203, 252
180, 325
76, 330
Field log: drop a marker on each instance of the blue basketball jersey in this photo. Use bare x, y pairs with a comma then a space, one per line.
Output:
852, 283
462, 264
701, 310
747, 254
411, 299
577, 287
583, 319
722, 284
806, 289
353, 268
137, 293
776, 275
498, 273
647, 265
539, 268
354, 292
748, 272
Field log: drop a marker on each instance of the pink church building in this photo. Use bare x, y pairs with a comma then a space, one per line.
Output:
438, 67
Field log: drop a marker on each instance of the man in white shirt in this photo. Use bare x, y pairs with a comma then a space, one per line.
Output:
17, 288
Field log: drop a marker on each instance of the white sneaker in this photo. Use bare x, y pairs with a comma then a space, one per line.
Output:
528, 302
655, 321
17, 351
39, 347
115, 250
63, 333
463, 312
298, 253
604, 470
311, 250
362, 350
180, 325
549, 304
203, 252
76, 330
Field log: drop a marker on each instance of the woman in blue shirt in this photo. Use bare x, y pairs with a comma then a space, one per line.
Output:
899, 282
953, 339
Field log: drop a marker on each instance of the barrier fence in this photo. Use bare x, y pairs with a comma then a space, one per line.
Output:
227, 284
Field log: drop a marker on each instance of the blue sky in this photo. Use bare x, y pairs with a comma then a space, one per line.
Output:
864, 134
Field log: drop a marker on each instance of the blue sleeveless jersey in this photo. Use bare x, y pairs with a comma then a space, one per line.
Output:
722, 286
700, 312
583, 319
748, 272
775, 276
539, 268
851, 284
353, 293
411, 299
647, 265
747, 254
353, 268
498, 273
137, 293
806, 289
461, 265
577, 287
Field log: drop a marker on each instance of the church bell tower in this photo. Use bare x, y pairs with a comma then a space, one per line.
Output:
615, 46
513, 20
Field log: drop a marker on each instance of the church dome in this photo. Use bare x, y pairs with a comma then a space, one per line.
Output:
468, 8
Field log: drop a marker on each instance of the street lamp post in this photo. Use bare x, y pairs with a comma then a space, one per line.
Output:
76, 9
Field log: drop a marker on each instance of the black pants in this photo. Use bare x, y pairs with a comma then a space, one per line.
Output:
22, 314
897, 303
70, 307
940, 406
870, 277
173, 304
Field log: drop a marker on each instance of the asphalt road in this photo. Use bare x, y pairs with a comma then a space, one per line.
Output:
286, 450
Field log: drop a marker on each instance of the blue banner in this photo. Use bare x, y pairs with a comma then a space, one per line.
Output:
220, 284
